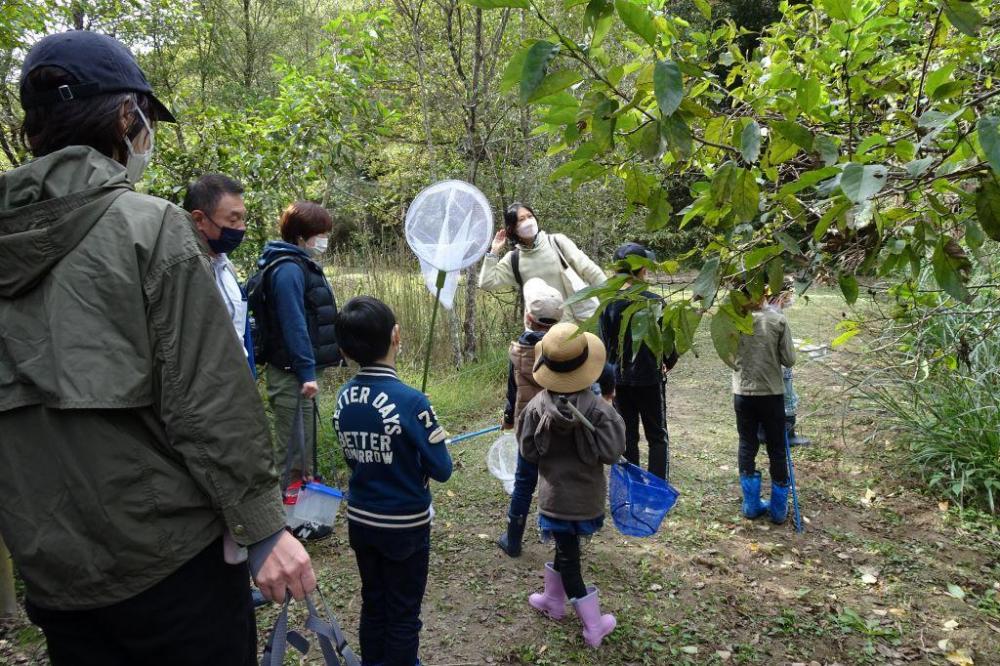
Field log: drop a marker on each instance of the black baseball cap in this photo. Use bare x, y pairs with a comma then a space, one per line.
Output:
633, 249
100, 64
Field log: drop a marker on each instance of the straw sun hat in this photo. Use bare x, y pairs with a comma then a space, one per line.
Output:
566, 362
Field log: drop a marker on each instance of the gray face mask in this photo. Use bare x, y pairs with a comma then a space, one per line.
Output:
137, 162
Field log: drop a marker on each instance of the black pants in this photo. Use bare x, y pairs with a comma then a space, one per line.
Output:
567, 563
645, 403
200, 614
767, 411
393, 567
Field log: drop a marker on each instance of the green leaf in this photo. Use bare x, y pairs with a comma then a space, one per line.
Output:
849, 287
833, 213
964, 16
637, 18
988, 207
677, 135
602, 124
750, 142
659, 210
649, 141
950, 267
955, 591
780, 149
917, 167
512, 73
790, 244
775, 275
862, 182
704, 8
725, 337
808, 179
600, 17
827, 148
759, 255
536, 62
555, 82
499, 4
668, 85
794, 132
567, 169
974, 236
989, 139
838, 9
685, 324
807, 94
706, 284
746, 196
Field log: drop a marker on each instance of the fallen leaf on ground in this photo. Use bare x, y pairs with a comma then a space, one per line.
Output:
950, 625
955, 591
960, 657
724, 655
690, 649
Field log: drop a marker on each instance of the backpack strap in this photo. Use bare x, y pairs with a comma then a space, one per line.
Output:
515, 265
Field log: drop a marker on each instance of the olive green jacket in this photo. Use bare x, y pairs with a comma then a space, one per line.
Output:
131, 432
760, 356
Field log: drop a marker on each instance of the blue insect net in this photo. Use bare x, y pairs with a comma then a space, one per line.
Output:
639, 500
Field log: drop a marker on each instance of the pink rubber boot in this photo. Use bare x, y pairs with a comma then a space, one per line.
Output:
595, 625
552, 601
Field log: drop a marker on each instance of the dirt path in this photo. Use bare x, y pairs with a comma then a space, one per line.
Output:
868, 581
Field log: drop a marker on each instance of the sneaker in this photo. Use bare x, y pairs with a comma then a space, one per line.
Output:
311, 532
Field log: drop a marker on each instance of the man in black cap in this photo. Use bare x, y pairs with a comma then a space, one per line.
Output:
641, 378
135, 459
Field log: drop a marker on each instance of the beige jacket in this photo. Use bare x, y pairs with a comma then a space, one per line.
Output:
541, 261
760, 356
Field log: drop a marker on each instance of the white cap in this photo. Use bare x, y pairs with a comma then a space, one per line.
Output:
542, 303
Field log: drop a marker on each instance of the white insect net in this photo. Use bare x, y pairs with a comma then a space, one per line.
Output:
501, 460
448, 226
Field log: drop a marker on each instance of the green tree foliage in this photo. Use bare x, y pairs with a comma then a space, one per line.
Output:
859, 137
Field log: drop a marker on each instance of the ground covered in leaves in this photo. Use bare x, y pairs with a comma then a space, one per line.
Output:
883, 574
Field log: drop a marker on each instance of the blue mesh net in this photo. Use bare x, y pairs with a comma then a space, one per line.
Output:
639, 500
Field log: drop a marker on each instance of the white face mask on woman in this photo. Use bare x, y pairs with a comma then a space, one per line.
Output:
136, 164
319, 246
527, 228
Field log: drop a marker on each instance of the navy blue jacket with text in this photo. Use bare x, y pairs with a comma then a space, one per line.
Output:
393, 444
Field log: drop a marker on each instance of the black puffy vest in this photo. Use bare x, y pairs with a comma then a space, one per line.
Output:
321, 311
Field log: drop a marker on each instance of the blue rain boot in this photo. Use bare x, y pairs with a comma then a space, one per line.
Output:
510, 541
779, 503
752, 506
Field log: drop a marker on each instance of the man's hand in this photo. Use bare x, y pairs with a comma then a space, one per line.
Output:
498, 242
309, 390
287, 568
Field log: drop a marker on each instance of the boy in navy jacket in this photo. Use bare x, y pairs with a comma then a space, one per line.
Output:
393, 444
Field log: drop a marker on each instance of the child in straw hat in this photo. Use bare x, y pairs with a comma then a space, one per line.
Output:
570, 434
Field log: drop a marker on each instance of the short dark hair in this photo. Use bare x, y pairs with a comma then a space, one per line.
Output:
90, 121
304, 219
364, 329
607, 379
204, 194
510, 219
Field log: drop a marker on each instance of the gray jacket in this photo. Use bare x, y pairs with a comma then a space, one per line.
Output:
761, 355
571, 458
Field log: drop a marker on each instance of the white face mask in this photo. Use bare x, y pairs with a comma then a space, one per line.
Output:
137, 162
527, 228
319, 246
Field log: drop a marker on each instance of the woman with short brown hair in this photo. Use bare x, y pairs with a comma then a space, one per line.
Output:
300, 340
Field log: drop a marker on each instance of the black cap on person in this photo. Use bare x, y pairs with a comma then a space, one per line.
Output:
100, 64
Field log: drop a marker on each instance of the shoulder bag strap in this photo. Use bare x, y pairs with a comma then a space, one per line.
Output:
515, 265
562, 259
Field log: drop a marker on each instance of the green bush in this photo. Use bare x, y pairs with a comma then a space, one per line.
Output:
936, 378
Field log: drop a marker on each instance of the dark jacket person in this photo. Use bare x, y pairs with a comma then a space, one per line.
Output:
131, 435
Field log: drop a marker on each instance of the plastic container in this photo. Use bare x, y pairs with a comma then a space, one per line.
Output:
639, 500
317, 503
